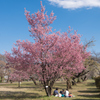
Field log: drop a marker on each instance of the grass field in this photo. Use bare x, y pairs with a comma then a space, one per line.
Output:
28, 91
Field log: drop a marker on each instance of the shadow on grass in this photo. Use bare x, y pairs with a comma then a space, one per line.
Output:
91, 96
90, 90
18, 95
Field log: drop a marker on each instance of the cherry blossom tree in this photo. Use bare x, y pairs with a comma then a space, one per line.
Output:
51, 55
18, 76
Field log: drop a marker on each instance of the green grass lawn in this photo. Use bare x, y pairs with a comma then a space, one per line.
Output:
28, 91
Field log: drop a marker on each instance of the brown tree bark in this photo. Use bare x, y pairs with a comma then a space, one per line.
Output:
73, 81
33, 80
68, 83
19, 84
50, 85
1, 79
48, 90
79, 81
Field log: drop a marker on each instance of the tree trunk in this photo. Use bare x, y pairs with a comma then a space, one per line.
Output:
73, 82
19, 84
85, 78
1, 79
78, 81
7, 79
68, 84
10, 81
48, 90
33, 80
82, 78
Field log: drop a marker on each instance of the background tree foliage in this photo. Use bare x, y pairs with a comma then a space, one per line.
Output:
2, 67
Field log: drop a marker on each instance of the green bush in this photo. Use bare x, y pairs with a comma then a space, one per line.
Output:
97, 81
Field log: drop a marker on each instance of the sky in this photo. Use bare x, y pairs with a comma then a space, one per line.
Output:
81, 15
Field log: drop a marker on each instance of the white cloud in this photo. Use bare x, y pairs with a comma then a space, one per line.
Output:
74, 4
